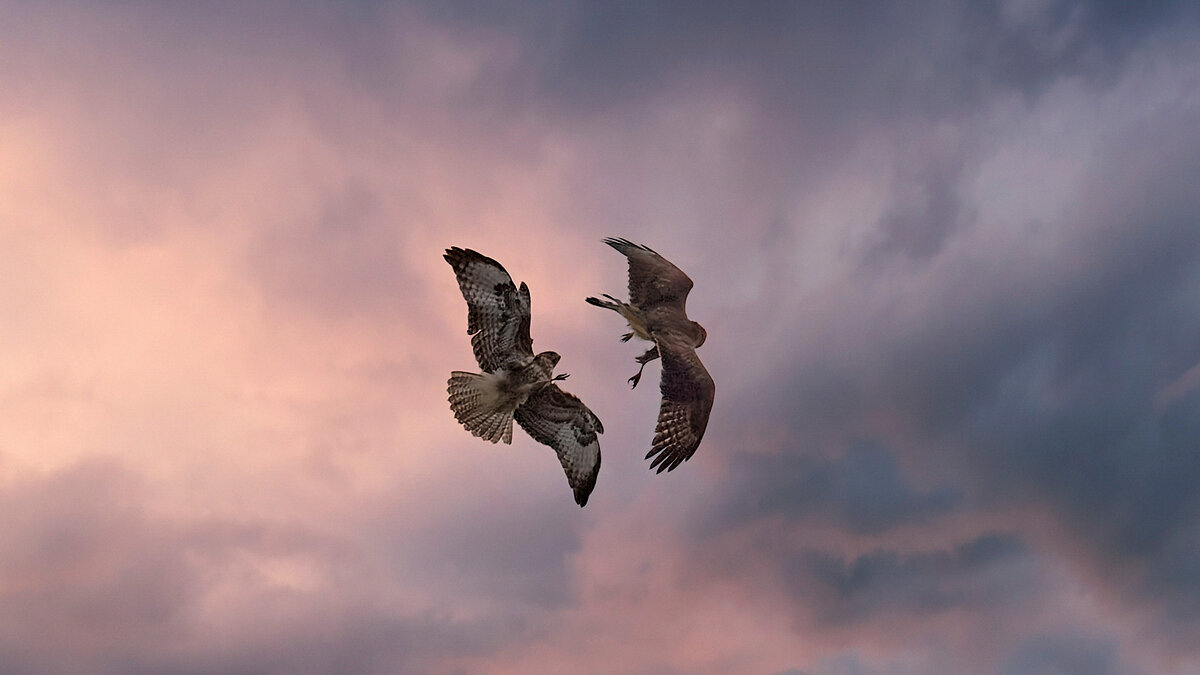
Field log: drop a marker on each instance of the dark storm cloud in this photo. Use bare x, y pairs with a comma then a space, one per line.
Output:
821, 58
1123, 476
988, 571
927, 208
1089, 39
863, 491
1040, 381
1074, 414
1067, 653
1048, 391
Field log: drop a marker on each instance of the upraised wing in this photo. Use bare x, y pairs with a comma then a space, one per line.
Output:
653, 280
497, 311
561, 421
687, 399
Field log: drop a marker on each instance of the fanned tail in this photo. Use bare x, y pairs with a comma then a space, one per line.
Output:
472, 398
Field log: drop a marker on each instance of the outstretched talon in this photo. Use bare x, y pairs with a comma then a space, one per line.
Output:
626, 337
633, 381
649, 356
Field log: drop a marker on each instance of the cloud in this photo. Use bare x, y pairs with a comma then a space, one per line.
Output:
920, 584
512, 560
90, 561
340, 260
1067, 653
1073, 416
863, 491
946, 257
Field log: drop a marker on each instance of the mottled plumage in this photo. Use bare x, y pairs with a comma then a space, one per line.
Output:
656, 312
515, 383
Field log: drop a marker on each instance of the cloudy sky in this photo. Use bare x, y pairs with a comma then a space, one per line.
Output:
948, 257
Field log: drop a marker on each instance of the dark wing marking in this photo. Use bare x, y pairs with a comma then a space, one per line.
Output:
653, 280
687, 399
561, 421
497, 311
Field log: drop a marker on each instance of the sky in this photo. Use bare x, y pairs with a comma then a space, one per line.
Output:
947, 256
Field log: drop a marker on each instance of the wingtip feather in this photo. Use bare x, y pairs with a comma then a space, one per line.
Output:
622, 244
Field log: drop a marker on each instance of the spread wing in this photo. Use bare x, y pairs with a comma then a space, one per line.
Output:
653, 280
687, 399
561, 421
497, 311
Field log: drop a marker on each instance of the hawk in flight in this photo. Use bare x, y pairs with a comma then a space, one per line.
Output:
657, 293
516, 384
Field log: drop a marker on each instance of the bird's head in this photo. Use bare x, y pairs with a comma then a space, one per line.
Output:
700, 333
547, 360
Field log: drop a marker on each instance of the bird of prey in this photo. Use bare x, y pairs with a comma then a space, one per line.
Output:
516, 384
657, 293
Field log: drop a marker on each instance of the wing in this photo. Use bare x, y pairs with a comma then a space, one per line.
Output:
687, 399
653, 280
561, 421
497, 311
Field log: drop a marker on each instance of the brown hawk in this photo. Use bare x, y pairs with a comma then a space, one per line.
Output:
516, 384
657, 293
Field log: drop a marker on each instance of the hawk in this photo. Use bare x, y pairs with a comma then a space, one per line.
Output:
516, 384
657, 293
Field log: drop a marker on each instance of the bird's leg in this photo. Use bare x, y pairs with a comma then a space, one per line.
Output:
649, 356
626, 337
551, 380
637, 377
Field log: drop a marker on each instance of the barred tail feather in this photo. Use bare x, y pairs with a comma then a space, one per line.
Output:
495, 426
472, 397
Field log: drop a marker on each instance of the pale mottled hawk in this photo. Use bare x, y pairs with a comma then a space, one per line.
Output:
516, 384
657, 293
